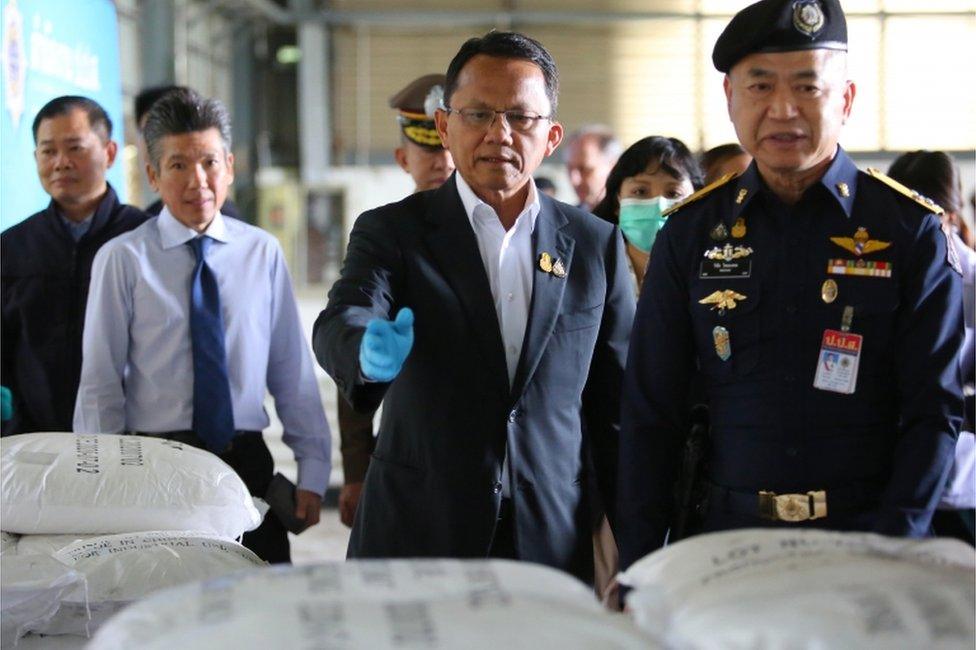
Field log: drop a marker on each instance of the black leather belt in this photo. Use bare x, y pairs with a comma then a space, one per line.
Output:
794, 507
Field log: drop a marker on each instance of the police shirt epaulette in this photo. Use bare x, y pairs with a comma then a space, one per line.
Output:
924, 201
700, 193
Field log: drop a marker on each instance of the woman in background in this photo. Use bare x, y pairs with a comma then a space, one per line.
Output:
652, 175
934, 174
648, 178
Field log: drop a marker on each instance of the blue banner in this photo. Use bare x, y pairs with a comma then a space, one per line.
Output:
52, 48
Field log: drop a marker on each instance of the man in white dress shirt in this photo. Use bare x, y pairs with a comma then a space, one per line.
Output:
191, 318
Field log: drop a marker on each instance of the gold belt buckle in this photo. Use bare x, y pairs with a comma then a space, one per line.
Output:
793, 507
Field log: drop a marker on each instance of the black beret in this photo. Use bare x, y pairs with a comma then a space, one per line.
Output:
781, 26
416, 103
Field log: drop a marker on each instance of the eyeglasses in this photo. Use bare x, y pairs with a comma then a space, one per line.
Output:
483, 118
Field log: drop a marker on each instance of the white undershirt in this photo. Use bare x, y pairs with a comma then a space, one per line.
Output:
507, 256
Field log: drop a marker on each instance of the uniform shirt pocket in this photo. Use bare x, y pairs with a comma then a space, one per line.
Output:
733, 332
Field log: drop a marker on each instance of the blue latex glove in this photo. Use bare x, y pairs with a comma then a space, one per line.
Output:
385, 346
6, 403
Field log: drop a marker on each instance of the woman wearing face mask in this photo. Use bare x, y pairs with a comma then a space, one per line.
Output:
649, 177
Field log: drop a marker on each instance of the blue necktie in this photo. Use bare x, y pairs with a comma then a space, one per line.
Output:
213, 411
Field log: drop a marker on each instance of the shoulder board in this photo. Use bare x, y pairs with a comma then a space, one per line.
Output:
705, 191
924, 201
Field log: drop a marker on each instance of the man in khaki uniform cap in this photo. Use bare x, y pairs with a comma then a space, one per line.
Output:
421, 155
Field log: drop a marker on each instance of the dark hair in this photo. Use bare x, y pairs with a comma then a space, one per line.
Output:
98, 119
932, 174
718, 155
183, 111
149, 96
505, 45
670, 153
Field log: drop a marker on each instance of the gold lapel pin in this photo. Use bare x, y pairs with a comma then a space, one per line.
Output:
558, 269
844, 190
545, 262
743, 193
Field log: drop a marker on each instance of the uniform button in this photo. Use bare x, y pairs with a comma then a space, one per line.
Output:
795, 241
791, 309
791, 452
790, 378
512, 350
513, 415
496, 488
510, 296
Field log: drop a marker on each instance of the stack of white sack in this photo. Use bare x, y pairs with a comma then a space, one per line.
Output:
772, 589
375, 604
92, 523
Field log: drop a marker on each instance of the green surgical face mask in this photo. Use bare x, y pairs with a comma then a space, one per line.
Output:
641, 219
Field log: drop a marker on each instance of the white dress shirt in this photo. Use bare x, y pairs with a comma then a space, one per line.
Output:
507, 256
137, 368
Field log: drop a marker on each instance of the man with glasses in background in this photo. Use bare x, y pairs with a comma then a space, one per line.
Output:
493, 322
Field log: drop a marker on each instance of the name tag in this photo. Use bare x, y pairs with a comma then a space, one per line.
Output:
840, 354
722, 270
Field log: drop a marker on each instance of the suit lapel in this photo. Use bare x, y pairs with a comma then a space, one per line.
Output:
547, 290
454, 247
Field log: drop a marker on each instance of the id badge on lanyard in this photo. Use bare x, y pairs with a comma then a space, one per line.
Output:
840, 355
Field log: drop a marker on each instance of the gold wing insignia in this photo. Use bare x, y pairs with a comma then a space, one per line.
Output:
873, 245
722, 300
847, 243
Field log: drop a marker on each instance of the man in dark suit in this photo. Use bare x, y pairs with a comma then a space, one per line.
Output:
501, 370
422, 155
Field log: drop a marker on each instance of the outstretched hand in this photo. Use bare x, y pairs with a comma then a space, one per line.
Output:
385, 346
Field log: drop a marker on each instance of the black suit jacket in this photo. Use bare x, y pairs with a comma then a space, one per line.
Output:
45, 276
433, 487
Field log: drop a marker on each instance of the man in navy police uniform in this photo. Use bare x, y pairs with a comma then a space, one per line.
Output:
756, 281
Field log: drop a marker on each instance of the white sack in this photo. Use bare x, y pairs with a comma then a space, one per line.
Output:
119, 569
46, 544
375, 604
770, 589
31, 588
100, 484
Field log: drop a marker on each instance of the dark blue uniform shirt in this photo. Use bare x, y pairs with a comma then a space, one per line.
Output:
45, 275
771, 429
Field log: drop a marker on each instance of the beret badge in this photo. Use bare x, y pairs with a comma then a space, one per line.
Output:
808, 17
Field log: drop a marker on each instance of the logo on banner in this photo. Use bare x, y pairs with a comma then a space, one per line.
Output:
14, 61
